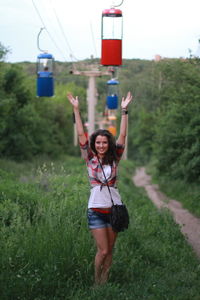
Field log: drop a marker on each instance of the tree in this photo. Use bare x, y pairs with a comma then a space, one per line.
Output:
3, 51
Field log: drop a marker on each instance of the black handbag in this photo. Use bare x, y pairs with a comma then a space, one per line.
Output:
119, 217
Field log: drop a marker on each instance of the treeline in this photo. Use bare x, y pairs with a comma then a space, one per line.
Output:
164, 120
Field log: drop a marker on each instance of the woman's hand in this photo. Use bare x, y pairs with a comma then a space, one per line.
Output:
73, 101
125, 101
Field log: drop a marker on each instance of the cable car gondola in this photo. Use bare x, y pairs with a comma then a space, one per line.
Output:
111, 34
45, 79
112, 126
112, 97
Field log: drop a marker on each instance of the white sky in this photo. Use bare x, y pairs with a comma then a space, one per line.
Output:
169, 28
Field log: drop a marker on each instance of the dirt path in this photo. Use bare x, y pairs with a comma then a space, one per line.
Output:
190, 225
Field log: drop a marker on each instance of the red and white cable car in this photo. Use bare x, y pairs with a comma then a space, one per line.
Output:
111, 35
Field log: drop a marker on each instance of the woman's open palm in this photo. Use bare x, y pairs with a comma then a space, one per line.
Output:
72, 100
125, 101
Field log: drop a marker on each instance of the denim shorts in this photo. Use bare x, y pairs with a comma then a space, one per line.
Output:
97, 220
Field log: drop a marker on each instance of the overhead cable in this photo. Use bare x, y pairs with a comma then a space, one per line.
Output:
62, 31
93, 40
53, 41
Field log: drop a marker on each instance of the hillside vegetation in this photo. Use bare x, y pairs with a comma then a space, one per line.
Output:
46, 251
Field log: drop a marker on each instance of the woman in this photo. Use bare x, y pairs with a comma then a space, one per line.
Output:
102, 152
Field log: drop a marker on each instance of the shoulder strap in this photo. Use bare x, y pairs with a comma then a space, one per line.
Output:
106, 181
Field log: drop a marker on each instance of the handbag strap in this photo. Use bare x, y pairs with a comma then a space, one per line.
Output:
106, 181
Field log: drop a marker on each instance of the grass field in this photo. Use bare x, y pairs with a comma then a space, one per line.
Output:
47, 252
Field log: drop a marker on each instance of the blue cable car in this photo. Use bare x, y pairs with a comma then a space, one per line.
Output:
112, 97
45, 79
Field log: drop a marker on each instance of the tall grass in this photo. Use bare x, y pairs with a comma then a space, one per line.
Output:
47, 252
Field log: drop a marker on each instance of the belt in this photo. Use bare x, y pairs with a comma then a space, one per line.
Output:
101, 210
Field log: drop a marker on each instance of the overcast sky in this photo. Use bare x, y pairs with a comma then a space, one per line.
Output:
73, 28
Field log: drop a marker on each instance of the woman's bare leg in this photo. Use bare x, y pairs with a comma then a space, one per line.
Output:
100, 236
105, 239
108, 259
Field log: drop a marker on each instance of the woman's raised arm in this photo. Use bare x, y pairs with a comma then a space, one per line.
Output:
79, 125
124, 118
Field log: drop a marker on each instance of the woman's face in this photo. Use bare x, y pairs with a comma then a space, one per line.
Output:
101, 145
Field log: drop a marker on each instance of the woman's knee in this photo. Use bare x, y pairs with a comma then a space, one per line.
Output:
105, 252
